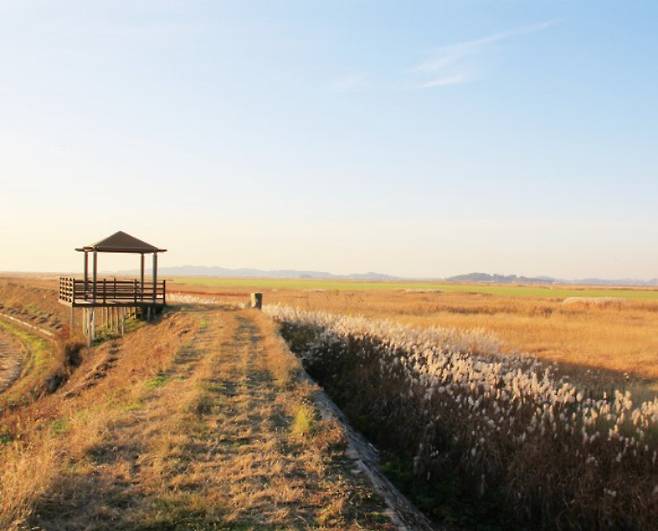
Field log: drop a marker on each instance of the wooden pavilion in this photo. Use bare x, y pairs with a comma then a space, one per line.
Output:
114, 297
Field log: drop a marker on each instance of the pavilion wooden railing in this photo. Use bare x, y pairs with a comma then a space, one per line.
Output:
111, 291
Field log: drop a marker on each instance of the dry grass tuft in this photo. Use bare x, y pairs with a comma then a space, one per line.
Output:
303, 423
26, 474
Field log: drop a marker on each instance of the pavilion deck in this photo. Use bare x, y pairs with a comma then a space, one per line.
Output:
107, 293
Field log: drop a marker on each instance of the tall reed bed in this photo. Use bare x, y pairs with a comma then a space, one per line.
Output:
555, 454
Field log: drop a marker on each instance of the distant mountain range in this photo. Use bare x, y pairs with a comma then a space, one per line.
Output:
615, 282
215, 271
515, 279
501, 279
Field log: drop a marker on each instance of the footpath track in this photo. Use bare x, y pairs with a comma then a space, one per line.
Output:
213, 443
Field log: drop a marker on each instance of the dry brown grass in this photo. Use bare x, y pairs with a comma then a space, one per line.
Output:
502, 433
54, 433
615, 336
188, 423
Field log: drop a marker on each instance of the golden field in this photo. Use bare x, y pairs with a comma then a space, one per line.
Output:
606, 332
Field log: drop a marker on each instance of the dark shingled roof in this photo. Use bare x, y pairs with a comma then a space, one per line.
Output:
120, 242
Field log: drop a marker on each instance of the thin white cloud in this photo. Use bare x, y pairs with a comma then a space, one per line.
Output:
444, 81
349, 83
454, 60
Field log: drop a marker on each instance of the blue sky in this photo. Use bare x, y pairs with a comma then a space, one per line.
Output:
414, 138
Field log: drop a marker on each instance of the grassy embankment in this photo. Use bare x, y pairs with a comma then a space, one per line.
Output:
196, 422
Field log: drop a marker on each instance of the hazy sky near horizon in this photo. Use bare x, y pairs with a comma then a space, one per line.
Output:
423, 138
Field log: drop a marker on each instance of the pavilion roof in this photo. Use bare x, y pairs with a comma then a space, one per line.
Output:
121, 242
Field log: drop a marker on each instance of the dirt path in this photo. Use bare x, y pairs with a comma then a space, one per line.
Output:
12, 356
221, 439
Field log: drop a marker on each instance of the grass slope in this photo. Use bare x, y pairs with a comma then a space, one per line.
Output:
198, 422
41, 360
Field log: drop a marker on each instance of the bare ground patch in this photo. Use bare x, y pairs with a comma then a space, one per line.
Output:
12, 355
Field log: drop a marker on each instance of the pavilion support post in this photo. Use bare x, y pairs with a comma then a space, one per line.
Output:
72, 322
155, 276
86, 266
88, 325
141, 275
92, 335
95, 276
